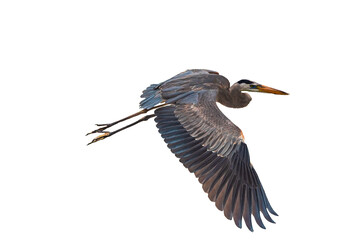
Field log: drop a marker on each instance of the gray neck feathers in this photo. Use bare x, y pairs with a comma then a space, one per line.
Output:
233, 97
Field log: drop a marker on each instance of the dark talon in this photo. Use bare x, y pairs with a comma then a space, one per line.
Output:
103, 124
100, 130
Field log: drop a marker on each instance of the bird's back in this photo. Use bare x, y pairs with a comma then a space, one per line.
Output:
181, 88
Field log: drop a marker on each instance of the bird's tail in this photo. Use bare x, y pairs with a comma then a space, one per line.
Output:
106, 134
152, 96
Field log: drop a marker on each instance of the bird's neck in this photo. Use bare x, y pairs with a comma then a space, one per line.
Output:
233, 97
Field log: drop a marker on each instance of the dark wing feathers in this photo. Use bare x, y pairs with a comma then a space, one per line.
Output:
204, 121
223, 169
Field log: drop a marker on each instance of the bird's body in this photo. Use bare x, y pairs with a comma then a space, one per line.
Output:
193, 82
206, 141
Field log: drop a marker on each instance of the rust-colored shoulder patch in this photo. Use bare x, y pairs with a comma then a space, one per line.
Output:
213, 72
242, 135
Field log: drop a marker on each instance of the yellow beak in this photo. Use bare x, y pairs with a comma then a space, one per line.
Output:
266, 89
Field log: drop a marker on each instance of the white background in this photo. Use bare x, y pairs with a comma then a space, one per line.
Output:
65, 65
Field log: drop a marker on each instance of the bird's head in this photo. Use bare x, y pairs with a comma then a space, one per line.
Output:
250, 86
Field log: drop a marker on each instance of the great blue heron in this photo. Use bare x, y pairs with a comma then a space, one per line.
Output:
205, 140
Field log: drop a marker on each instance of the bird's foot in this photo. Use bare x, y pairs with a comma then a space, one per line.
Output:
100, 130
100, 137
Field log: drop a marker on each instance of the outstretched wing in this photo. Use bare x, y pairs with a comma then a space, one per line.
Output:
204, 121
212, 147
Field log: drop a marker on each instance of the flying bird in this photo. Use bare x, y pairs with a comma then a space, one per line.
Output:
205, 140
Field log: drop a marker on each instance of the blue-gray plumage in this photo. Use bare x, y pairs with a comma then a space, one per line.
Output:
205, 140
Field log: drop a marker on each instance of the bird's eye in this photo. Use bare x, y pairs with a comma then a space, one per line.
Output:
253, 86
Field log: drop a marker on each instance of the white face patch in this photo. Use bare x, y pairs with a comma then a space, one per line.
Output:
244, 86
248, 87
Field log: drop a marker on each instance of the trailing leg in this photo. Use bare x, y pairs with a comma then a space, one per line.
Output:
108, 134
107, 125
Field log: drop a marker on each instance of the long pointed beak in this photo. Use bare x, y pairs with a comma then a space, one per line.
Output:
266, 89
